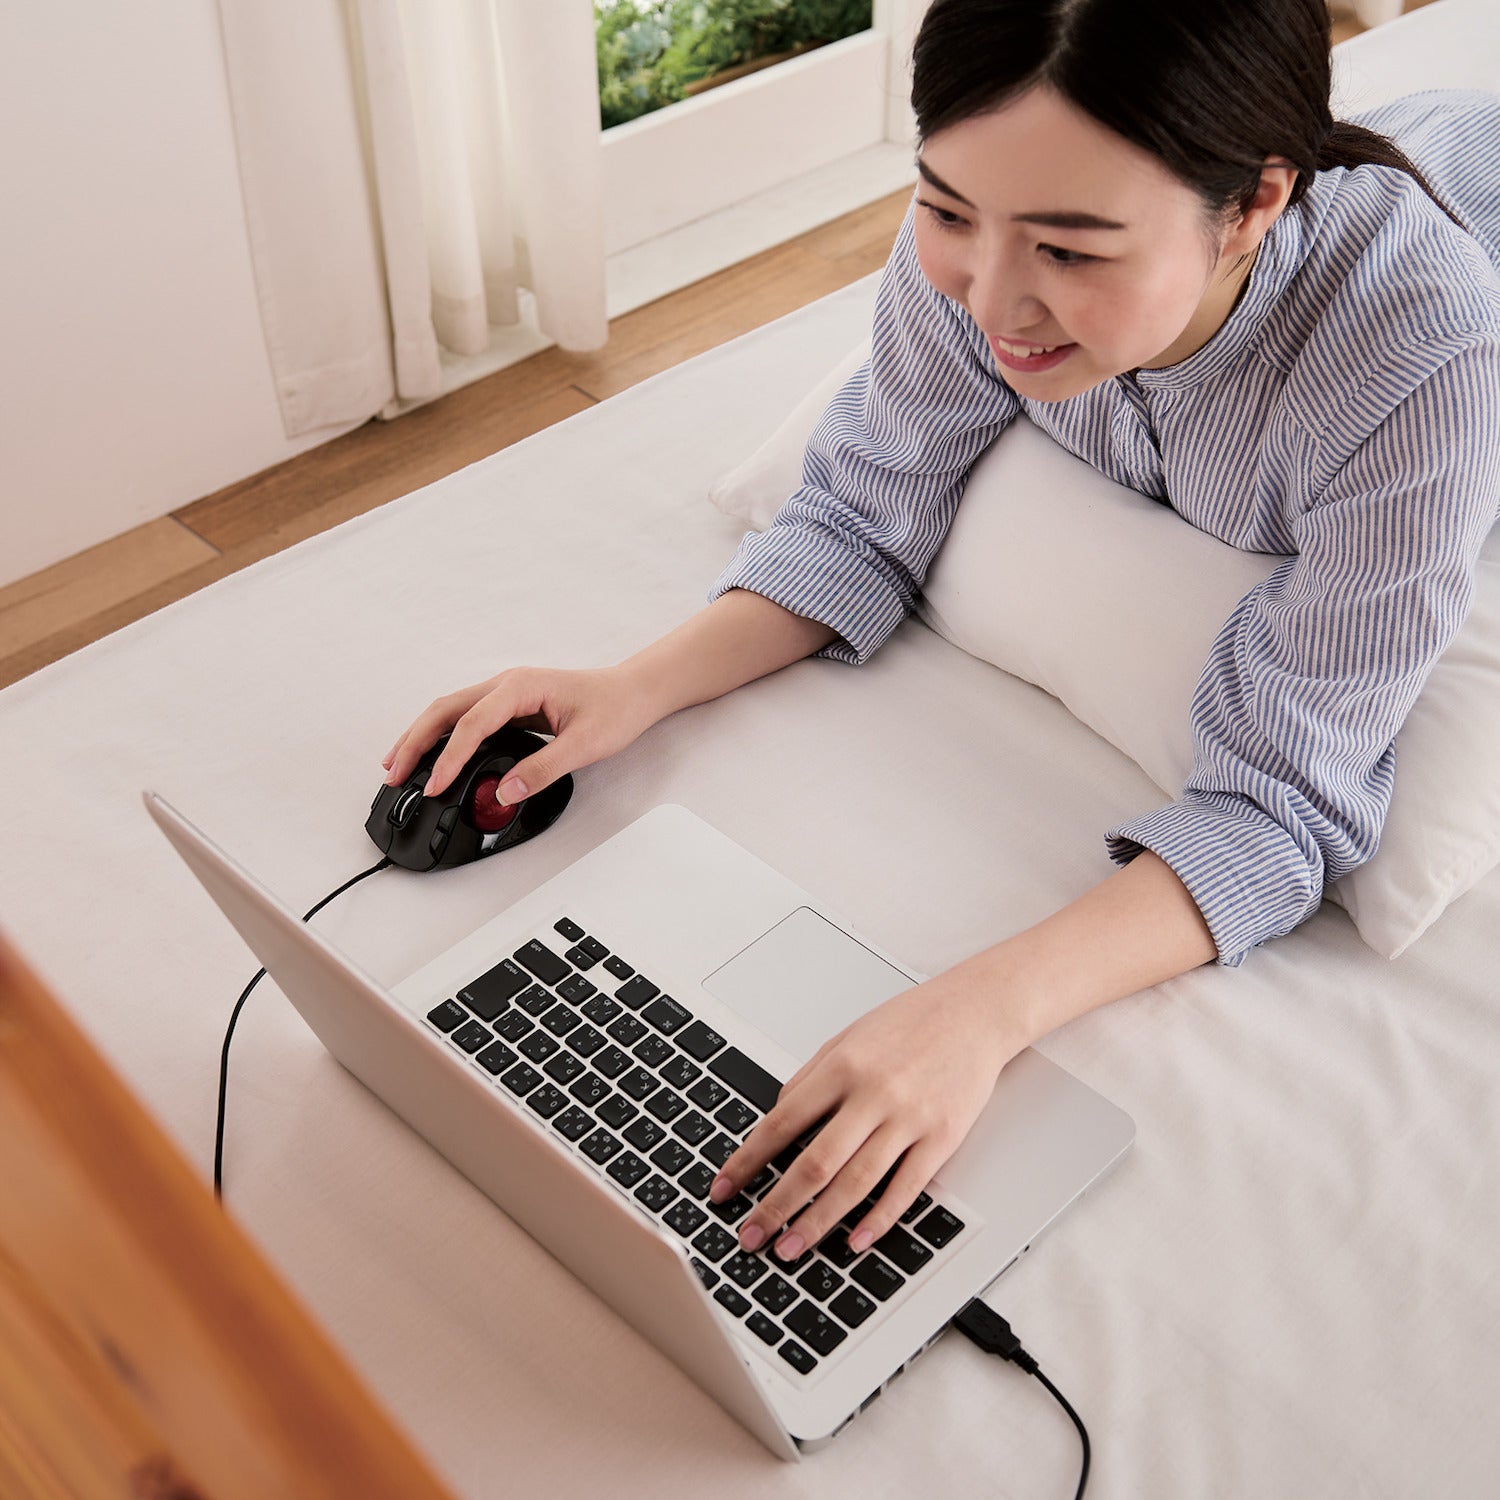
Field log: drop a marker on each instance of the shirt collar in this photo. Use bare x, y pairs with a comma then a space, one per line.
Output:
1279, 259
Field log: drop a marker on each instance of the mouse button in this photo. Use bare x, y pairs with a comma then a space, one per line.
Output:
404, 806
448, 818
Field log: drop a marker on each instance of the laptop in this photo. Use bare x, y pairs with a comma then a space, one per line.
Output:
588, 1059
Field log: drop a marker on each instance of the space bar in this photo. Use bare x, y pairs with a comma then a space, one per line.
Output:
748, 1078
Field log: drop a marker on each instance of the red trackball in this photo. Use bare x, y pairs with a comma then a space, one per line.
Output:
486, 813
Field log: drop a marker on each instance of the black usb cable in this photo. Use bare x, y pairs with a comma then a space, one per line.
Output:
229, 1034
980, 1323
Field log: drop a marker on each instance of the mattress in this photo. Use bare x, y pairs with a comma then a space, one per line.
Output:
1287, 1287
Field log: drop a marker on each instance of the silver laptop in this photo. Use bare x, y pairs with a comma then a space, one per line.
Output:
588, 1059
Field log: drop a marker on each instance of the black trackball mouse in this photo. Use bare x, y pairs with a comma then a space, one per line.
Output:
465, 822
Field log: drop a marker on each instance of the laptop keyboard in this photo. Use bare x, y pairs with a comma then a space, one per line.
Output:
658, 1101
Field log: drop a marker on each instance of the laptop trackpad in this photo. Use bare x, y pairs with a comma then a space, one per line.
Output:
803, 981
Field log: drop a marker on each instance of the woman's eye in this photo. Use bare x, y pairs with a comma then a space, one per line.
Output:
1060, 257
944, 219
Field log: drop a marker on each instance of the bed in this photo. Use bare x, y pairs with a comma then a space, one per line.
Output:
1286, 1288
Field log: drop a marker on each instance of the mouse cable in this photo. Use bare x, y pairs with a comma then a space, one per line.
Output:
978, 1321
229, 1034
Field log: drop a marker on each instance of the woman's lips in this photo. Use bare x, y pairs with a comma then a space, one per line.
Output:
1034, 364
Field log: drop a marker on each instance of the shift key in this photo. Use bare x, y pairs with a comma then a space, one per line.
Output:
746, 1077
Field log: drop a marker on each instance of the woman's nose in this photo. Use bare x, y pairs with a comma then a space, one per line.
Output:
1001, 304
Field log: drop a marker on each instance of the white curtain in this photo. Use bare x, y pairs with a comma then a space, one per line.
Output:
407, 167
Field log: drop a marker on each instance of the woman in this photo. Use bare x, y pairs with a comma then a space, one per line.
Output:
1138, 223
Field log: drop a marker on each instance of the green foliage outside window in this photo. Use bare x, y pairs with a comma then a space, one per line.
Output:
650, 51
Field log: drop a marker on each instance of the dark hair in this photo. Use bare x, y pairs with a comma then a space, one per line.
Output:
1209, 87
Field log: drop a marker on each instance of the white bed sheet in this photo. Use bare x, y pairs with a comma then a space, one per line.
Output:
1288, 1286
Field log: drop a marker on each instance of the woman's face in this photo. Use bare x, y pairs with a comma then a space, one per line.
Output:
1144, 288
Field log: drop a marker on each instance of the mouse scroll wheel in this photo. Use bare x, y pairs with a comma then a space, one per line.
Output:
485, 812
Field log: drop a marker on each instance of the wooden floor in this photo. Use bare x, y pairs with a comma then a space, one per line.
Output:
49, 614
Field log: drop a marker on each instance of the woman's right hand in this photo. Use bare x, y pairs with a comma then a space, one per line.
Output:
591, 713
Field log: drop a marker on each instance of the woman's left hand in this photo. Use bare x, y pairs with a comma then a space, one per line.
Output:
911, 1076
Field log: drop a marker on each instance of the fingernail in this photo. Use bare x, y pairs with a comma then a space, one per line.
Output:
722, 1188
513, 790
790, 1246
861, 1241
752, 1237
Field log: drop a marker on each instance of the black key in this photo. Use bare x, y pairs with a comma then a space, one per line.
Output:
876, 1277
726, 1296
561, 1019
797, 1357
736, 1117
627, 1168
618, 967
696, 1181
539, 1046
471, 1036
645, 1134
547, 1100
744, 1268
542, 962
903, 1252
939, 1227
617, 1111
763, 1328
656, 1193
627, 1030
593, 947
486, 996
577, 989
513, 1025
666, 1014
786, 1156
573, 1123
602, 1009
535, 1000
852, 1306
586, 1041
600, 1146
638, 1083
693, 1127
636, 992
564, 1067
666, 1105
581, 958
685, 1217
708, 1277
743, 1076
496, 1057
569, 929
815, 1328
920, 1207
797, 1262
715, 1242
680, 1072
707, 1093
758, 1184
589, 1089
611, 1062
521, 1079
775, 1294
720, 1149
820, 1281
448, 1015
834, 1246
700, 1041
652, 1051
732, 1210
671, 1157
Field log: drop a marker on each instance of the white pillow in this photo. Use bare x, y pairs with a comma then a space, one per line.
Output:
1027, 578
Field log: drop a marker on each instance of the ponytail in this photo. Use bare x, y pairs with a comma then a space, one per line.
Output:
1348, 145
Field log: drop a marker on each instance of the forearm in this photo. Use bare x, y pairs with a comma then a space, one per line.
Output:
737, 638
1133, 930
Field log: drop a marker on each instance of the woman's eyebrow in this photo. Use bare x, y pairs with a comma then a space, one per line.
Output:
1058, 220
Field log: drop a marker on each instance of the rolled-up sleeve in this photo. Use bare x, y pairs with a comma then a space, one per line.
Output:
1296, 712
884, 470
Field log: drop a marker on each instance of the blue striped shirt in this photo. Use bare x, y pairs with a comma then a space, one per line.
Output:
1347, 414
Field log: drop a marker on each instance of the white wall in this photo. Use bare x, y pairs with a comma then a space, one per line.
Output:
134, 375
